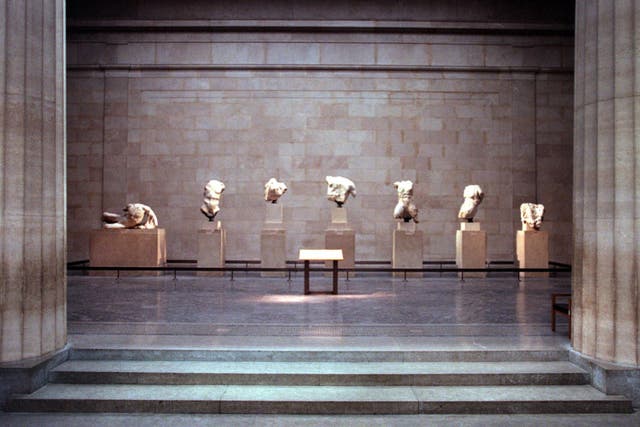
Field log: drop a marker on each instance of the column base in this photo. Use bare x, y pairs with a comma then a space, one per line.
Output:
610, 378
24, 377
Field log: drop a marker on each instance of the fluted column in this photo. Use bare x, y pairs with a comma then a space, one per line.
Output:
32, 179
606, 181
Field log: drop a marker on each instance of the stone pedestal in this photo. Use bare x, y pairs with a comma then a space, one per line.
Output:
407, 248
471, 248
273, 239
273, 217
532, 249
211, 244
128, 248
340, 236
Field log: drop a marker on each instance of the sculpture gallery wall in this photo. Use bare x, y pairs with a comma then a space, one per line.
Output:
273, 190
141, 216
531, 216
473, 196
405, 209
339, 188
136, 215
212, 194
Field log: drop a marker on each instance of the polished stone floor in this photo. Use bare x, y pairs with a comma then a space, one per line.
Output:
372, 311
373, 305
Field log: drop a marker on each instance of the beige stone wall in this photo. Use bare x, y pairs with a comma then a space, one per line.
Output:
154, 115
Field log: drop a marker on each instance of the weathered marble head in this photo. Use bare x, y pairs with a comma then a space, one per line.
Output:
212, 194
339, 188
531, 216
473, 196
136, 215
273, 190
405, 209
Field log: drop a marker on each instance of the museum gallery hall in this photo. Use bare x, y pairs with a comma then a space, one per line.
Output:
306, 212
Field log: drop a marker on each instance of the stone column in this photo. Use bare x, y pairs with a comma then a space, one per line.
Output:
32, 179
606, 184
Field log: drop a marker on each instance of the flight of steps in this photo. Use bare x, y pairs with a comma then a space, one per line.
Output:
319, 382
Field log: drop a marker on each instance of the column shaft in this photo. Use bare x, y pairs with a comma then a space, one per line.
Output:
606, 175
32, 179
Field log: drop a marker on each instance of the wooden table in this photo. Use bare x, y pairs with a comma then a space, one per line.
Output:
308, 255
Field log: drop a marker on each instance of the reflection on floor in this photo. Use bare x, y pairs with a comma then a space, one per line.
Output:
375, 311
370, 314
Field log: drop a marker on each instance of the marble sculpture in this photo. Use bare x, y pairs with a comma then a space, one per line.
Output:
339, 189
473, 196
405, 209
531, 216
273, 190
212, 194
136, 215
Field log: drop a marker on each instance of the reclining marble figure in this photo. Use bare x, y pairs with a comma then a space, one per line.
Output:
339, 189
531, 216
405, 209
212, 194
473, 196
136, 215
273, 190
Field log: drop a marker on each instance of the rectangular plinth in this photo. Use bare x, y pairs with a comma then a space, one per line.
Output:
338, 215
273, 252
470, 226
273, 217
211, 244
407, 227
471, 251
128, 248
345, 240
532, 249
407, 251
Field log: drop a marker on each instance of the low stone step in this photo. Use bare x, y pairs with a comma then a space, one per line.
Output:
319, 373
318, 399
305, 355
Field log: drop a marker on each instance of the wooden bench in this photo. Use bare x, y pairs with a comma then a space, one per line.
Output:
563, 308
308, 255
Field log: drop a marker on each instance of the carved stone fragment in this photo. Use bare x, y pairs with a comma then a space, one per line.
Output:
273, 190
405, 209
339, 189
136, 215
473, 196
531, 216
212, 194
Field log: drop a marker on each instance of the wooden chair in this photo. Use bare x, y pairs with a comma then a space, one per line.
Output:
563, 308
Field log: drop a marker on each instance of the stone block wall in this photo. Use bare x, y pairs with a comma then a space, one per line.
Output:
154, 112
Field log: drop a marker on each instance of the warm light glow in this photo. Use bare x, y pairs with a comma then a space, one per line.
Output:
317, 298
